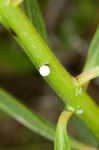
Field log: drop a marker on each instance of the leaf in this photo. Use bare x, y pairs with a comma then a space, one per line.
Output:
31, 8
15, 2
93, 53
29, 119
34, 122
61, 138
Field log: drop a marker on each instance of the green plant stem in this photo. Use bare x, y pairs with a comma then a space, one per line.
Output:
61, 137
10, 106
3, 22
59, 79
88, 75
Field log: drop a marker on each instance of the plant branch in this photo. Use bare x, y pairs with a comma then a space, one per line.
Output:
88, 75
59, 79
61, 137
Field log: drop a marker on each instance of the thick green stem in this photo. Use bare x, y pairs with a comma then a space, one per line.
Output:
59, 79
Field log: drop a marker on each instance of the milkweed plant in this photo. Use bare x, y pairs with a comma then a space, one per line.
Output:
28, 29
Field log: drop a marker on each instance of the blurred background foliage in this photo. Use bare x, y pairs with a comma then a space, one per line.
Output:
70, 26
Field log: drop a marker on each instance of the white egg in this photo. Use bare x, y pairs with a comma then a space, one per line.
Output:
44, 70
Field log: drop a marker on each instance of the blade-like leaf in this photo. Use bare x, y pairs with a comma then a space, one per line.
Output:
15, 2
61, 138
31, 8
29, 119
93, 53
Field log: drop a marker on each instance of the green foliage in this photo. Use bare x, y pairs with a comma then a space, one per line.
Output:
61, 138
32, 10
32, 39
93, 53
15, 109
15, 2
59, 79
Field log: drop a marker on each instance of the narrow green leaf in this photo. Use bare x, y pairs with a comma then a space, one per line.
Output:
29, 119
61, 138
93, 53
15, 2
31, 8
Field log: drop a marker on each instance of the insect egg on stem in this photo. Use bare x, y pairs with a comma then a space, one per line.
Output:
44, 70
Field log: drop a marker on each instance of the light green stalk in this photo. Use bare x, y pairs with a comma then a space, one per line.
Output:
88, 75
61, 137
59, 79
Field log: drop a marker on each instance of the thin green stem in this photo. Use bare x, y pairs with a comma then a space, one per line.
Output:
59, 79
61, 137
88, 75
